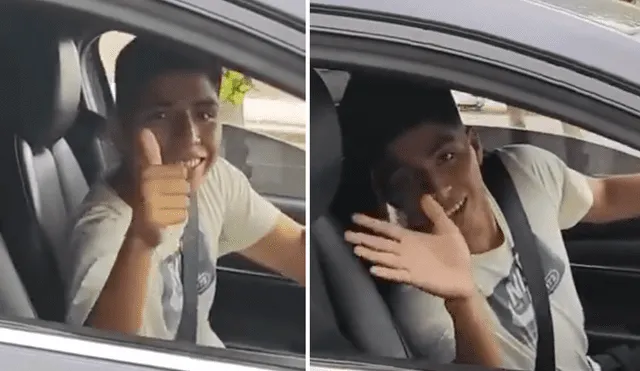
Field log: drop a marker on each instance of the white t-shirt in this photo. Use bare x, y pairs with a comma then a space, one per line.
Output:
232, 217
554, 198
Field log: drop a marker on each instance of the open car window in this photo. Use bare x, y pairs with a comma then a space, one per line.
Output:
264, 133
589, 153
500, 124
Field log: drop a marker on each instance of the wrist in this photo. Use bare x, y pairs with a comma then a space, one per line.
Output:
142, 237
462, 305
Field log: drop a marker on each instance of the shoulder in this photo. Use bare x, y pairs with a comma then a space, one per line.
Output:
224, 173
102, 214
526, 156
533, 163
102, 203
222, 185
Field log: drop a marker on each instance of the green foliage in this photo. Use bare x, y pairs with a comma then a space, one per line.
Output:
234, 86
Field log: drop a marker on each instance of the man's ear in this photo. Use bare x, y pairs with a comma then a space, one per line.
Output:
476, 144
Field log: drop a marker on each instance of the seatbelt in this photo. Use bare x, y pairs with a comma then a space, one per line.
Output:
500, 184
190, 246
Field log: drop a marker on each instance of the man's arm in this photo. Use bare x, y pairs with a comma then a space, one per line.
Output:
122, 300
475, 341
282, 249
614, 198
254, 227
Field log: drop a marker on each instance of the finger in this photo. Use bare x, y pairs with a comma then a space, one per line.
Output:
165, 171
391, 274
166, 187
379, 226
174, 202
376, 257
432, 209
170, 217
374, 242
148, 148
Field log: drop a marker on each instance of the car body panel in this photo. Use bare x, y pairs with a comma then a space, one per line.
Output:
476, 20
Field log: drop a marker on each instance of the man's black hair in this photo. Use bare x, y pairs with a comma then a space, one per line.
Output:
376, 109
142, 60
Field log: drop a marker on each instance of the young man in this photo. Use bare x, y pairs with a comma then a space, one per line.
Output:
418, 150
128, 234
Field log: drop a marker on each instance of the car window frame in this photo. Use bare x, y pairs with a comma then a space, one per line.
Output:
341, 42
595, 103
281, 63
99, 97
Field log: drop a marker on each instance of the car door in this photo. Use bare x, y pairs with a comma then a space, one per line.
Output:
273, 36
269, 149
603, 258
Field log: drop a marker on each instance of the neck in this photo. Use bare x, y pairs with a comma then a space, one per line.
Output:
486, 238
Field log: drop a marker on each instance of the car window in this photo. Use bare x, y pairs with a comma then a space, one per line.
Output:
585, 151
500, 124
264, 133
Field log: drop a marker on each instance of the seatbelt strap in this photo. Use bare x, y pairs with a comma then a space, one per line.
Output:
190, 246
500, 184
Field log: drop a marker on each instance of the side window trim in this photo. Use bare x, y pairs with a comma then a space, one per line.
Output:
52, 342
593, 112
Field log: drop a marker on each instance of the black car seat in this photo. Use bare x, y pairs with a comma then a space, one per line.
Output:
359, 309
14, 301
89, 140
43, 182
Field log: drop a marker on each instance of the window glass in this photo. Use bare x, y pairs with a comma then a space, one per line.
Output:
585, 151
499, 124
264, 132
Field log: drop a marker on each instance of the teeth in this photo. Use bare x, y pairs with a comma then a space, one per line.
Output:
192, 163
456, 207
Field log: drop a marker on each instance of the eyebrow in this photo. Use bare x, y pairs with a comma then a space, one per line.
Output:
209, 102
442, 139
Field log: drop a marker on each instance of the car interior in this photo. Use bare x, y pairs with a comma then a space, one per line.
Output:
357, 320
56, 144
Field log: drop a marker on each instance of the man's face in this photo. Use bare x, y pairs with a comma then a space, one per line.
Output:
439, 160
181, 109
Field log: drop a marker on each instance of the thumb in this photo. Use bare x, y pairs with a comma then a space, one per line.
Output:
432, 209
148, 148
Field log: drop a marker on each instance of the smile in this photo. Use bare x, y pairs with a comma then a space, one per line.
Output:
193, 163
457, 207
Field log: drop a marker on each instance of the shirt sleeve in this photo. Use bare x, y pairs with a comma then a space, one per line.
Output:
569, 190
92, 240
248, 216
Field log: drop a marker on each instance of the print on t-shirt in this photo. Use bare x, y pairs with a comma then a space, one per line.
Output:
172, 294
511, 300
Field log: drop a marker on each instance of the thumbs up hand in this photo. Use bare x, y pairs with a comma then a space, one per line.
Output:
162, 191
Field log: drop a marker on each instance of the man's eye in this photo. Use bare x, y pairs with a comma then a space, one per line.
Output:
160, 115
207, 116
447, 157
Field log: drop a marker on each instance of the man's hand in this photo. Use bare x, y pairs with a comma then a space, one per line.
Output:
162, 191
437, 263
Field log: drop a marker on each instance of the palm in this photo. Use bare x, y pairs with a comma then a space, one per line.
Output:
437, 263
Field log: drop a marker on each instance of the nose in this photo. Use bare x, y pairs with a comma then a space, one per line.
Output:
438, 185
188, 128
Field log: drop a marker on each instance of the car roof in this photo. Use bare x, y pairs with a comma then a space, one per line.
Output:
294, 9
569, 29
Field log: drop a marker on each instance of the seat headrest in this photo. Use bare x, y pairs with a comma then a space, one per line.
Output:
326, 141
45, 86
